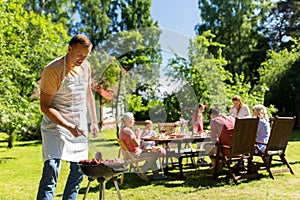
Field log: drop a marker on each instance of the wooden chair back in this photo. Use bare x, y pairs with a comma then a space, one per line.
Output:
244, 136
280, 133
243, 140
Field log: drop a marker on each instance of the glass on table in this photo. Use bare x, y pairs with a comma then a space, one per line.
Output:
205, 133
162, 133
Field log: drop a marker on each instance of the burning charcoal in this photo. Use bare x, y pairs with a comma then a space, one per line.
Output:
99, 155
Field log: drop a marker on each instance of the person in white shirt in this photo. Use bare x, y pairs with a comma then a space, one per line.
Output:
148, 132
239, 109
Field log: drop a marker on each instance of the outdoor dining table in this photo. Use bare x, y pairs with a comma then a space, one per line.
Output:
179, 140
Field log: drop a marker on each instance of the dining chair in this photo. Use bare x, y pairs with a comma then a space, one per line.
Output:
281, 130
132, 161
242, 148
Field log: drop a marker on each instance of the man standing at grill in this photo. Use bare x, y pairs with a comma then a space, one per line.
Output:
65, 98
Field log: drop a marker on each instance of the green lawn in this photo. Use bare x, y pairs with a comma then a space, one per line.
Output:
21, 170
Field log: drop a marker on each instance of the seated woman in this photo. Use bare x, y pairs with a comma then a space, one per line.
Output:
132, 142
239, 109
263, 130
148, 132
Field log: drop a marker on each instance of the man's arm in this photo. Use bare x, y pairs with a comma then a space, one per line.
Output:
92, 108
214, 131
53, 114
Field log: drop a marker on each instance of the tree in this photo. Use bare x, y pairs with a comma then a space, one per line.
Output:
94, 19
28, 42
203, 75
120, 28
205, 80
237, 25
280, 72
284, 20
61, 11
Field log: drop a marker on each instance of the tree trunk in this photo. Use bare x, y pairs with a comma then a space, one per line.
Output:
117, 102
100, 111
10, 139
297, 104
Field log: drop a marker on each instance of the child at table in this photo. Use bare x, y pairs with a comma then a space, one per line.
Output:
198, 129
148, 132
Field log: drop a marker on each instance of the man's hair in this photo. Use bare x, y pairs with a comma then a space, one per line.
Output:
80, 39
214, 111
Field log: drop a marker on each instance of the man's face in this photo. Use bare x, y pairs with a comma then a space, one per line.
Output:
78, 53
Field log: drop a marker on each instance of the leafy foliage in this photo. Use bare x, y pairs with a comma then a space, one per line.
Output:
238, 25
280, 72
209, 82
28, 42
60, 10
285, 19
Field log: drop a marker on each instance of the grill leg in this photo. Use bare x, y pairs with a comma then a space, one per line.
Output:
118, 190
101, 190
88, 187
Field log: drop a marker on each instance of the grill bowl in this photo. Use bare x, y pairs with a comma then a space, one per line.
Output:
103, 171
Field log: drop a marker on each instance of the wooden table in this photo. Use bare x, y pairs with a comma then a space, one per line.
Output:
184, 140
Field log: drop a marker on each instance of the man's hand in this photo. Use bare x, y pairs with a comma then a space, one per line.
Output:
75, 131
94, 129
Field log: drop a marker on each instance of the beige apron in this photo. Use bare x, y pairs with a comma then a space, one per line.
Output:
70, 101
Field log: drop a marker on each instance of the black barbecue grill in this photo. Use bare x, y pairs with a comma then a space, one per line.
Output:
102, 173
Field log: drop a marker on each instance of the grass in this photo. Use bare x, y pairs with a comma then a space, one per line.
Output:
21, 171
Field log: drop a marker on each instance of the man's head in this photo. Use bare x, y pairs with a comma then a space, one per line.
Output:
78, 50
80, 39
214, 112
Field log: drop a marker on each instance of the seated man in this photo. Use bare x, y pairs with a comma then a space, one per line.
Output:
132, 142
221, 131
148, 132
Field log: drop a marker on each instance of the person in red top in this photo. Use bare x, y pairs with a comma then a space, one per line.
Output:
198, 128
132, 142
198, 119
221, 131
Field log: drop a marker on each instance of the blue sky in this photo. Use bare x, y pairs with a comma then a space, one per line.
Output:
177, 15
177, 19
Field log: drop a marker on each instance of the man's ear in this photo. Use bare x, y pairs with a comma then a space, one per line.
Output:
69, 49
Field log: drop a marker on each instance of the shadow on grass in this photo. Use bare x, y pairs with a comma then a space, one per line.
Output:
29, 143
21, 144
131, 181
199, 179
5, 159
